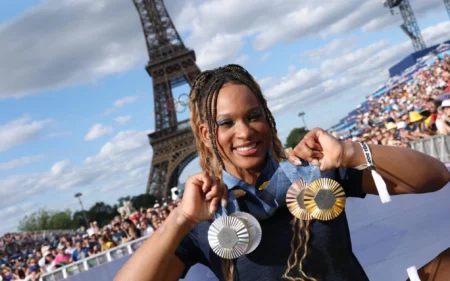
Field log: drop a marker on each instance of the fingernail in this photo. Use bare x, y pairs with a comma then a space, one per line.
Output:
224, 202
297, 162
211, 210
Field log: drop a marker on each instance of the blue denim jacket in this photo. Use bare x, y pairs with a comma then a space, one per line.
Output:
263, 203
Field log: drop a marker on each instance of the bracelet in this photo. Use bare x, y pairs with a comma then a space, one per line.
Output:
412, 273
379, 182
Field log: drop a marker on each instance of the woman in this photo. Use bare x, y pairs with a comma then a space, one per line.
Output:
105, 243
130, 230
236, 135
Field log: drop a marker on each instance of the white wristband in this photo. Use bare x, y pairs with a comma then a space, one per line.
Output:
412, 273
379, 182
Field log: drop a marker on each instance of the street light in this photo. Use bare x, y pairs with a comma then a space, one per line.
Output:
78, 195
302, 114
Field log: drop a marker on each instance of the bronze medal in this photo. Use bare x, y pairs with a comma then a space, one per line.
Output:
295, 200
324, 199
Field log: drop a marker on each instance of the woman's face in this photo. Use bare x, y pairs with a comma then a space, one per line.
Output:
243, 134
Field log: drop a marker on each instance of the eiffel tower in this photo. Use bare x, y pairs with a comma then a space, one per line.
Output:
171, 64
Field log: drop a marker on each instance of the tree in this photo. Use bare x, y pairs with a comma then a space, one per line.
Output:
295, 136
101, 213
47, 220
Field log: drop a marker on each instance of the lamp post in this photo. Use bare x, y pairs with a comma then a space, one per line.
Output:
302, 114
78, 195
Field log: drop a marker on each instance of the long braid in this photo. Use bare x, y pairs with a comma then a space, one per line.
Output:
203, 105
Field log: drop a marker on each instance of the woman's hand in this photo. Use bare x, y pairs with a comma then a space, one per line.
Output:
202, 195
320, 149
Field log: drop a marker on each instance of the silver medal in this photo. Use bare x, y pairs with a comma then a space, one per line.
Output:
229, 237
254, 229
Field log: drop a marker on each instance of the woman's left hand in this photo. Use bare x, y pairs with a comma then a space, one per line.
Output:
320, 149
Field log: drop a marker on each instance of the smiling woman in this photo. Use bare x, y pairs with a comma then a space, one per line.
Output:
245, 170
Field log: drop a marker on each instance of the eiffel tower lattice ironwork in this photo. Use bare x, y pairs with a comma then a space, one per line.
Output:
171, 64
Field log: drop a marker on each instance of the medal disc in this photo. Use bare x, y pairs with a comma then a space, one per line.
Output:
228, 237
295, 200
324, 199
254, 229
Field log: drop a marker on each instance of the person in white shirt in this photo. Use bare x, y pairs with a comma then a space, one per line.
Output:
146, 229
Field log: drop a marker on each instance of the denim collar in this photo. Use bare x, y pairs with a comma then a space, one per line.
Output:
263, 203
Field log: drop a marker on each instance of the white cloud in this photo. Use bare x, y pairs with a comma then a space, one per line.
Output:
18, 162
98, 131
267, 23
366, 67
39, 58
219, 48
124, 159
121, 103
20, 131
242, 59
336, 47
60, 167
125, 100
122, 120
98, 46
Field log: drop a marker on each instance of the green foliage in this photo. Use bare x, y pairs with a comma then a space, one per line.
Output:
295, 136
46, 220
100, 212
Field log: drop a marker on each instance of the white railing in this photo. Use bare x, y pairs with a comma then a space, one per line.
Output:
436, 146
93, 261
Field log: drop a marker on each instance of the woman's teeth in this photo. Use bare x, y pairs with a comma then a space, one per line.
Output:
245, 148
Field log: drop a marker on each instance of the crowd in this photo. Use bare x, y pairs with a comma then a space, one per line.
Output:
26, 256
406, 112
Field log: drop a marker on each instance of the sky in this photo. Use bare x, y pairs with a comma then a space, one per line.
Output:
76, 103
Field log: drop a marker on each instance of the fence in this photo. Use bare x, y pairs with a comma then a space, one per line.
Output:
92, 261
436, 146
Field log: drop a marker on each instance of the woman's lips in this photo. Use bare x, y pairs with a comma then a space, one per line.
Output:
247, 150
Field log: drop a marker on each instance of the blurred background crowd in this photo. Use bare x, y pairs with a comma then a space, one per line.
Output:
415, 109
25, 256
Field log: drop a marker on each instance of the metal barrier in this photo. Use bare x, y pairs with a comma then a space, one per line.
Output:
92, 261
436, 146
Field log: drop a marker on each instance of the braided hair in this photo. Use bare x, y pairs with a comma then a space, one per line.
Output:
203, 107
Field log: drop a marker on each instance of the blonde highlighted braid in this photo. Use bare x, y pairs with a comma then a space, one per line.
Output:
203, 107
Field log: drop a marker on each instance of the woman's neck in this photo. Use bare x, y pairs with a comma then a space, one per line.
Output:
249, 176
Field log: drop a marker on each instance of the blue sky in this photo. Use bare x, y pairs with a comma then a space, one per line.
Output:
76, 103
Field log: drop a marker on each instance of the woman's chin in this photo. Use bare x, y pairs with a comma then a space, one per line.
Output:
253, 164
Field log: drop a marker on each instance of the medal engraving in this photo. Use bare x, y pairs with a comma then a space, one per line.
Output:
227, 238
295, 200
324, 199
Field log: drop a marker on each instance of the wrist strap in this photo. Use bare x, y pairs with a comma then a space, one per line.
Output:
379, 182
412, 273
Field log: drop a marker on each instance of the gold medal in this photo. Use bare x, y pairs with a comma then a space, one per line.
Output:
295, 200
324, 199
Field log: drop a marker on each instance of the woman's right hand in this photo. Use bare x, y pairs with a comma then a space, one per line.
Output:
202, 195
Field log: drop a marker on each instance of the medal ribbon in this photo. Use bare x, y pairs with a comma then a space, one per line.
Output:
262, 204
379, 182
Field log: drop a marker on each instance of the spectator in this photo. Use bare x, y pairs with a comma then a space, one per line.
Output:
105, 243
62, 258
130, 230
443, 122
146, 229
80, 252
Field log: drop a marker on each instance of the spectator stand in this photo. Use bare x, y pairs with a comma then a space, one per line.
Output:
93, 261
413, 92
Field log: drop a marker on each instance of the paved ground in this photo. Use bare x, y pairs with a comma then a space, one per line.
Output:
388, 238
